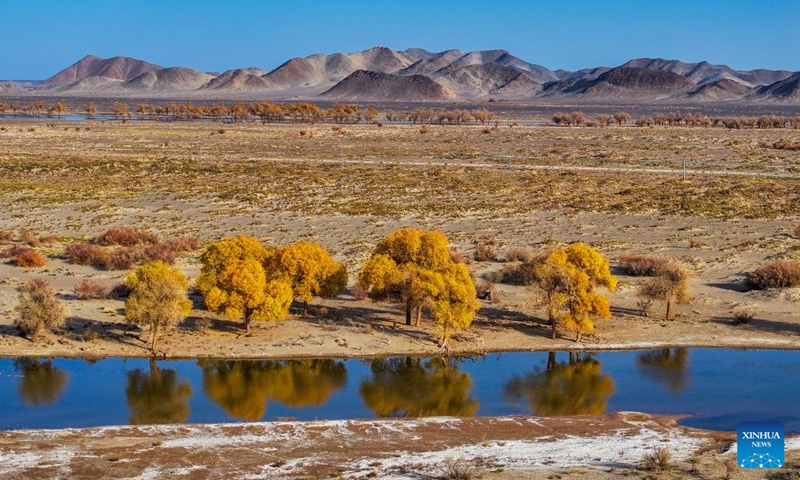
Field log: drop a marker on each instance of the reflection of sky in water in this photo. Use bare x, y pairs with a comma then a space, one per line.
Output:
718, 387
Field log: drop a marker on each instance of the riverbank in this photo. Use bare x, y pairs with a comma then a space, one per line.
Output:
601, 447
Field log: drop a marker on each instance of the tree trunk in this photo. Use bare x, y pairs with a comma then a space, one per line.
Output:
153, 337
247, 323
669, 309
552, 318
551, 360
578, 336
305, 308
408, 312
419, 316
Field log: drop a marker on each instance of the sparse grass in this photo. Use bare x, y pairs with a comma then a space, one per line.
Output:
659, 460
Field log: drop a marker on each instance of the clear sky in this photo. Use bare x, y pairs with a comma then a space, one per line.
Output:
41, 37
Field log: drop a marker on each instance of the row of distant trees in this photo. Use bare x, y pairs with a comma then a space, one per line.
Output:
675, 119
306, 112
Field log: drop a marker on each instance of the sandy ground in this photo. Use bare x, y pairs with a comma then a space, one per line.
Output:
603, 447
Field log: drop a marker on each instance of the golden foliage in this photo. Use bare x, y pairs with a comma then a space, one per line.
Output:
41, 382
402, 387
413, 267
242, 388
233, 281
569, 277
158, 297
310, 270
157, 397
573, 388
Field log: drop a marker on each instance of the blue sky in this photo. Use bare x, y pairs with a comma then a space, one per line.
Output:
42, 36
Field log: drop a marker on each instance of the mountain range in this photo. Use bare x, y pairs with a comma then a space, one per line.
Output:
417, 75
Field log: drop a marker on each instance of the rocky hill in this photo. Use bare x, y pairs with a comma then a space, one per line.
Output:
117, 68
364, 85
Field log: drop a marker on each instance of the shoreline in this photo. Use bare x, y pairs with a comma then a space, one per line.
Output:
433, 351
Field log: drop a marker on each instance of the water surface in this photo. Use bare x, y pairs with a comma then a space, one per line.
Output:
718, 388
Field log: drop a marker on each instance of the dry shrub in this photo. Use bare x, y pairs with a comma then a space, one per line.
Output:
127, 237
742, 318
164, 252
123, 258
457, 257
183, 244
118, 291
518, 254
30, 258
358, 291
38, 308
49, 240
659, 460
485, 253
796, 231
776, 274
14, 251
457, 470
88, 289
7, 235
518, 274
87, 254
28, 237
643, 265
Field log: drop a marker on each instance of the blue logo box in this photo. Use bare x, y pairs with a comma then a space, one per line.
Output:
760, 445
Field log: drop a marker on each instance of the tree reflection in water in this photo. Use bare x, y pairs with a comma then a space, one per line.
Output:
666, 366
242, 388
157, 397
41, 383
417, 387
573, 388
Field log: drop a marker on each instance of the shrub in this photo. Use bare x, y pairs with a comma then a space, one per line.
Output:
796, 231
457, 470
643, 265
7, 235
742, 317
162, 251
30, 258
518, 254
457, 257
87, 254
485, 253
38, 308
127, 237
776, 274
14, 251
659, 459
118, 291
517, 274
49, 240
183, 244
27, 237
88, 289
358, 292
123, 258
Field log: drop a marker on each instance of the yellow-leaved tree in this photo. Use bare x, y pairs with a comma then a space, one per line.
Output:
569, 277
413, 267
234, 282
310, 270
158, 297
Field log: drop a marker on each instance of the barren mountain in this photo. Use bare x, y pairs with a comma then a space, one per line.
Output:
720, 90
478, 80
168, 79
432, 63
787, 89
537, 72
586, 73
10, 87
240, 80
321, 69
118, 68
365, 85
624, 82
90, 84
704, 72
